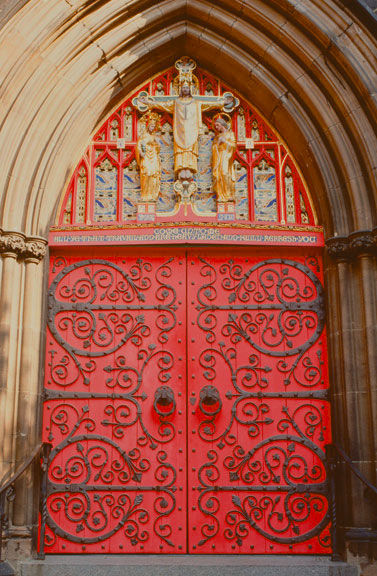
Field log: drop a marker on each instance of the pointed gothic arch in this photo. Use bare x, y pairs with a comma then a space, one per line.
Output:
311, 72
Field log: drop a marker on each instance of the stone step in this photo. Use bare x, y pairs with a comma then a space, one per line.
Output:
185, 565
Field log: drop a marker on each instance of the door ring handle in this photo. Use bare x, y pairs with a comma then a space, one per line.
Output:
164, 401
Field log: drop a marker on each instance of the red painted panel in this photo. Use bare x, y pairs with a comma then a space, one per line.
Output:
258, 417
115, 404
125, 332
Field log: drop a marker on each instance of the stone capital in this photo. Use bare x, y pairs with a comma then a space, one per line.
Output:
359, 243
12, 244
35, 249
362, 242
21, 247
338, 247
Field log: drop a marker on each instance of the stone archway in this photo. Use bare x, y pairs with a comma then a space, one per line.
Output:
320, 99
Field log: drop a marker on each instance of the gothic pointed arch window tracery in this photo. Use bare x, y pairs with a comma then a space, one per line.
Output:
105, 186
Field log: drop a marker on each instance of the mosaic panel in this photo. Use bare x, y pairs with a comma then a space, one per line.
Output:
265, 192
131, 190
166, 201
205, 199
106, 187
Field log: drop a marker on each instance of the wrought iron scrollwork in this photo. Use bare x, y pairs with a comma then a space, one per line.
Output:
266, 307
265, 474
102, 307
109, 477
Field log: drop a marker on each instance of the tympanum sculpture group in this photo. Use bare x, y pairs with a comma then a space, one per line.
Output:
186, 106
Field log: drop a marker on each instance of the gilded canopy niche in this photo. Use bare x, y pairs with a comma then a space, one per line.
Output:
184, 149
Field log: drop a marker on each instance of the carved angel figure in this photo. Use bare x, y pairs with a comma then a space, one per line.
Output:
148, 158
223, 150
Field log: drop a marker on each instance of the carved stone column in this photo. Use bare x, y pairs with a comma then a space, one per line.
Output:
20, 332
352, 306
337, 254
12, 244
27, 428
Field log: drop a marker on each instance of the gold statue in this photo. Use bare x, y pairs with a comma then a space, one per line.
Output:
223, 150
187, 107
148, 158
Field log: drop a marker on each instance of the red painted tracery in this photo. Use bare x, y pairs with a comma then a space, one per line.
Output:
262, 163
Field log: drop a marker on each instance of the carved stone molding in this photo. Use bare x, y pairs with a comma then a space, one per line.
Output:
17, 245
363, 242
35, 249
359, 243
338, 247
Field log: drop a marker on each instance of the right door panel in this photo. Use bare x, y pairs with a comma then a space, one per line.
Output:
258, 415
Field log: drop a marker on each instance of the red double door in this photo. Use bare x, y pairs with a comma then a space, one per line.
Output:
186, 401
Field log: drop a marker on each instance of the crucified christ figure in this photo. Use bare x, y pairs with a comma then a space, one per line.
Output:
187, 109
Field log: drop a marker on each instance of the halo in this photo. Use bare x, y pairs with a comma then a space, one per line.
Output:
150, 116
194, 84
223, 116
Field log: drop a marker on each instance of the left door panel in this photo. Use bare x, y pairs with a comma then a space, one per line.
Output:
114, 404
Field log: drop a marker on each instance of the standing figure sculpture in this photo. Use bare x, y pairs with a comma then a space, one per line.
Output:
223, 150
148, 158
186, 106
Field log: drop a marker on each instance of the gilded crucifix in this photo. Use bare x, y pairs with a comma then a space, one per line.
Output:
186, 106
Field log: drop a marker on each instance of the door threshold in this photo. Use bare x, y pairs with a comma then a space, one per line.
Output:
185, 565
